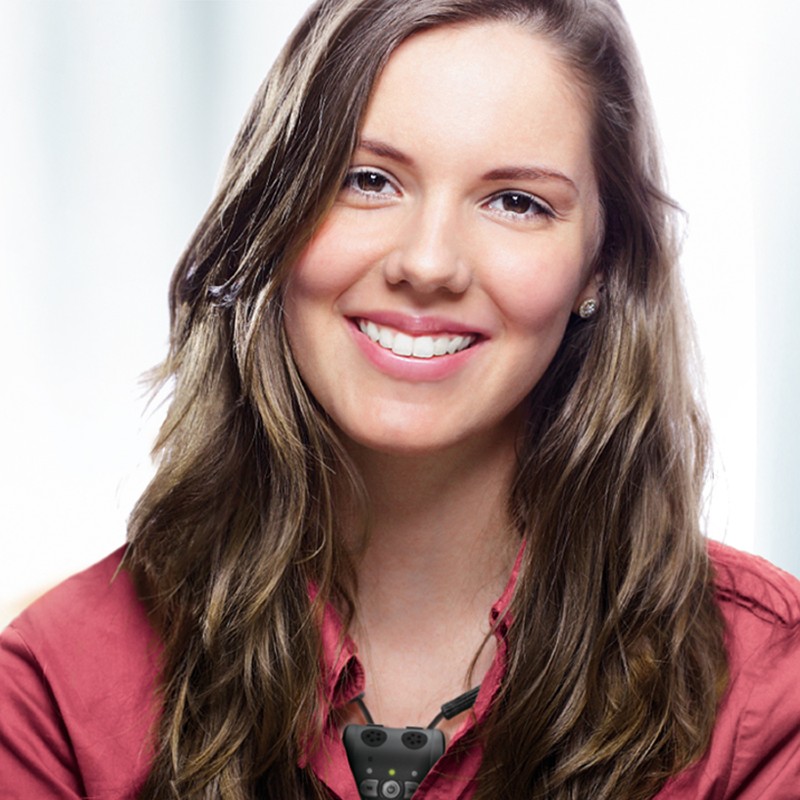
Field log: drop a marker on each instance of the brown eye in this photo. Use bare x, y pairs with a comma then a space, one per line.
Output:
370, 182
519, 204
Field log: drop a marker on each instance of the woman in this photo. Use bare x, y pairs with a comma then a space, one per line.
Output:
432, 427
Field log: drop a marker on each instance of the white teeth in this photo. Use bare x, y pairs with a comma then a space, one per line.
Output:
440, 345
402, 344
423, 347
455, 345
385, 338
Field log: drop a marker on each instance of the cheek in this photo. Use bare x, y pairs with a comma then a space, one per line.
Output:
537, 291
317, 272
330, 265
334, 259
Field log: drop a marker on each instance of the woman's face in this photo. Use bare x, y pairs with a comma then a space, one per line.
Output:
438, 289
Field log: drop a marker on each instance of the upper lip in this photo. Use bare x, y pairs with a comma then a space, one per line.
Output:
418, 324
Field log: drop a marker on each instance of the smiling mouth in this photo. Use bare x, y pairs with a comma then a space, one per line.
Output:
403, 344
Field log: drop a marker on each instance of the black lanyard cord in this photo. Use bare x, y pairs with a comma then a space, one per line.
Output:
449, 710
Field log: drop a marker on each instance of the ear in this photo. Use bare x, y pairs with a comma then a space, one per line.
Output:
591, 291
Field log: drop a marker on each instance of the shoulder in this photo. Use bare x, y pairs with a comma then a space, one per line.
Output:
102, 587
103, 583
87, 625
77, 696
760, 605
750, 584
755, 748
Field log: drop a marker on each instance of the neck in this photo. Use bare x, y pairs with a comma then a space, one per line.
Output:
438, 524
439, 552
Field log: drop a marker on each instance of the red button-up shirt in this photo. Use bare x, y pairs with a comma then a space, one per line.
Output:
78, 674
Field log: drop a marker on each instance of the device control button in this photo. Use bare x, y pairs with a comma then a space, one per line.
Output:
368, 787
411, 787
390, 789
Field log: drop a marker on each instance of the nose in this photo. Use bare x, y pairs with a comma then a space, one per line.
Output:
430, 252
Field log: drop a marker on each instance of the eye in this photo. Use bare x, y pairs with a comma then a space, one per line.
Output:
367, 181
519, 204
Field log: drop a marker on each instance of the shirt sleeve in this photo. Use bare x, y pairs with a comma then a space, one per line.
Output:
754, 752
36, 756
766, 761
78, 691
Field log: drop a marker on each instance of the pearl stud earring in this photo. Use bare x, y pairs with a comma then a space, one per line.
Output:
587, 308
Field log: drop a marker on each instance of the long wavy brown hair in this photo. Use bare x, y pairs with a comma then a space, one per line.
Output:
616, 654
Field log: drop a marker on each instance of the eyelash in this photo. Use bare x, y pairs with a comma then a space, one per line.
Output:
536, 207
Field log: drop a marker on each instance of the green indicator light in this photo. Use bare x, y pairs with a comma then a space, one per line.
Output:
392, 773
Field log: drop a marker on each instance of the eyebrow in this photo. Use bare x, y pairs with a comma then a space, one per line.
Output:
528, 174
384, 150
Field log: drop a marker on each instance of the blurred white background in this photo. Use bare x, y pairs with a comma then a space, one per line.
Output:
115, 119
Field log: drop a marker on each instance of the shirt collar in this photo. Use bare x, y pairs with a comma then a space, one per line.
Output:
342, 670
499, 610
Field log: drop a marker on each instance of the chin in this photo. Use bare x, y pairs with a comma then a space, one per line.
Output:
427, 439
405, 443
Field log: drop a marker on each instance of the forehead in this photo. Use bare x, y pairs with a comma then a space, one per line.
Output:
484, 85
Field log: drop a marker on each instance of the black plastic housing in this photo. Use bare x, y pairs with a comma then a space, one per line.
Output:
389, 763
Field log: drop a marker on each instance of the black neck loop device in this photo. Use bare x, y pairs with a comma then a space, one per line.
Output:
391, 762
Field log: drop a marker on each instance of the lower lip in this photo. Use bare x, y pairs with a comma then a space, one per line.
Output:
407, 368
